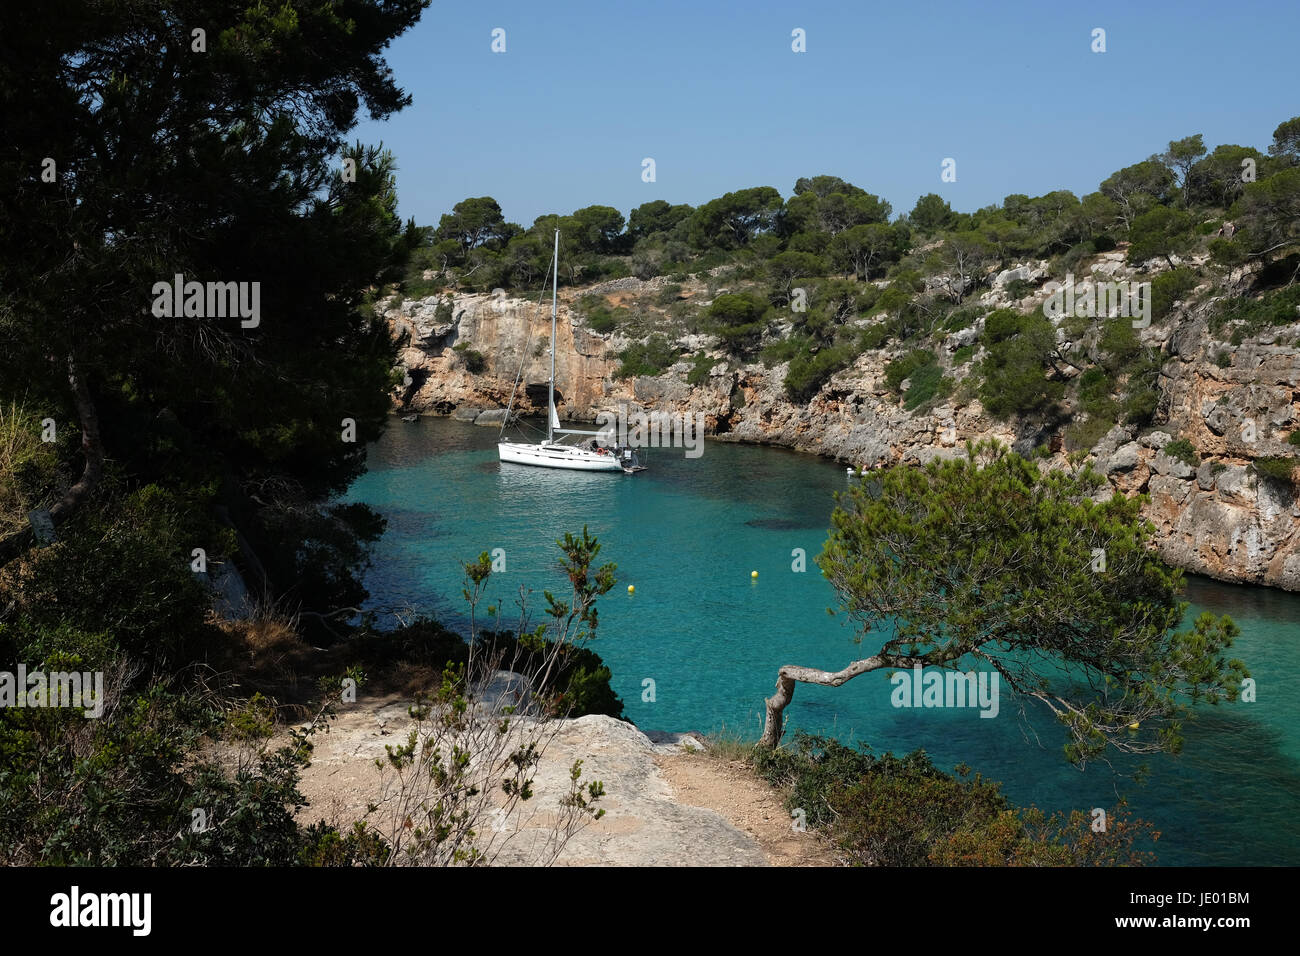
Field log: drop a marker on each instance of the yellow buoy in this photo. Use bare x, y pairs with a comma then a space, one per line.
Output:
1133, 726
630, 589
753, 574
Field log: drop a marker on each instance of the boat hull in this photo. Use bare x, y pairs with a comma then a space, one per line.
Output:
557, 456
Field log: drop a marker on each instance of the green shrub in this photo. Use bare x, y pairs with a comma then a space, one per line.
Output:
602, 320
783, 350
1119, 344
1074, 256
808, 771
1095, 391
962, 318
963, 355
580, 678
1276, 468
927, 382
121, 790
903, 811
901, 369
1142, 392
669, 294
1017, 289
1293, 438
414, 289
700, 368
873, 337
1184, 451
740, 339
1169, 287
896, 814
475, 362
808, 372
1014, 371
1083, 435
1270, 310
650, 357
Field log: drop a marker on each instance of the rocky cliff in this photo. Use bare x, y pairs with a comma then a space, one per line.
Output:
1235, 404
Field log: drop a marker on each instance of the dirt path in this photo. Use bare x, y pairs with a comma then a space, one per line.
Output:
749, 804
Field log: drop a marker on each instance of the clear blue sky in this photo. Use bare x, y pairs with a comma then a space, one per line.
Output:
713, 92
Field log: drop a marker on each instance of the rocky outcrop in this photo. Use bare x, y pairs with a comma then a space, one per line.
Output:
513, 338
645, 822
1234, 404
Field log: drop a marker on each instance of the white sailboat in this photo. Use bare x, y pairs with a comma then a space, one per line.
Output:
553, 453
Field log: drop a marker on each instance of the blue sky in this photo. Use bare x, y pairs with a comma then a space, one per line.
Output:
885, 92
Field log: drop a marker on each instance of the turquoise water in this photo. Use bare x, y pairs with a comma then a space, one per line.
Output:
687, 534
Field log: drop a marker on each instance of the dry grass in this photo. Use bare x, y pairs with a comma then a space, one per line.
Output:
20, 447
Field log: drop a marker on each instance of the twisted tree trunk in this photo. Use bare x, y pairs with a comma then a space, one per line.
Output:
773, 726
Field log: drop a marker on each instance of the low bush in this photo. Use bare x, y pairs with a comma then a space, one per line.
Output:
650, 357
475, 361
700, 368
903, 811
901, 369
808, 372
1184, 451
1276, 468
927, 382
1169, 287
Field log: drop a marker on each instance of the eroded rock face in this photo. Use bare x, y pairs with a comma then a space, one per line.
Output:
1214, 517
508, 333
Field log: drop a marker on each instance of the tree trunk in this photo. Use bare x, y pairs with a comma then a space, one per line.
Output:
773, 727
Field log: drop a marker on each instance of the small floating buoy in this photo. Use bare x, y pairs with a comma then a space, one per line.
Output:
753, 574
1133, 726
630, 589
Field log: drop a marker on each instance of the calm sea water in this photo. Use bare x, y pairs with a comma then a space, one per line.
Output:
688, 533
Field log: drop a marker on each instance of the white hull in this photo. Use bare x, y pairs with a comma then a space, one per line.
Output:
555, 455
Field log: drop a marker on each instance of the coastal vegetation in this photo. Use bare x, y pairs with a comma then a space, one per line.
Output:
903, 811
814, 281
170, 484
989, 561
152, 466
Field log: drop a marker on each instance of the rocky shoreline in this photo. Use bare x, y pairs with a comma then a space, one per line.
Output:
1217, 518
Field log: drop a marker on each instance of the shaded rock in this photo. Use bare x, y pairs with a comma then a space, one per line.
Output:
503, 692
1164, 464
1124, 459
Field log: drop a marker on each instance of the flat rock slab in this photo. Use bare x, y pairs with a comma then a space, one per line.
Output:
644, 823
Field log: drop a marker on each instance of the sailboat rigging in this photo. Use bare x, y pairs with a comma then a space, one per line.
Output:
553, 453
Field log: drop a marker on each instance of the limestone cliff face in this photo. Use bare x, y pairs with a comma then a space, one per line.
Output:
1219, 519
507, 333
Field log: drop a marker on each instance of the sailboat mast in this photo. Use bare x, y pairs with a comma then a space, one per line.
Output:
555, 283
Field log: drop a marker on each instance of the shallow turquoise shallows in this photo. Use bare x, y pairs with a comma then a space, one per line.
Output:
689, 533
